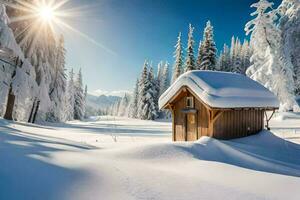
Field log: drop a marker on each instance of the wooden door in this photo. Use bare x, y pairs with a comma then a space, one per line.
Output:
191, 127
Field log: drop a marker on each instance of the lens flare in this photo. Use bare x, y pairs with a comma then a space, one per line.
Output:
47, 13
44, 15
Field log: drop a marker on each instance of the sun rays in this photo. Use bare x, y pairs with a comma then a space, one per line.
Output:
42, 16
46, 13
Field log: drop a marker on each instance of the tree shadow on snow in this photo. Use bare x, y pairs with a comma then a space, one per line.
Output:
262, 152
24, 176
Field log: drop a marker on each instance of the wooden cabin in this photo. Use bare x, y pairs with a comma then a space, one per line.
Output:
217, 104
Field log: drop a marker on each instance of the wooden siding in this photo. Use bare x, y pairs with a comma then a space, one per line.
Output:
221, 124
238, 123
180, 119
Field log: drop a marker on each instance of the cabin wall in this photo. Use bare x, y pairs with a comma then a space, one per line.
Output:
179, 120
229, 124
238, 123
203, 119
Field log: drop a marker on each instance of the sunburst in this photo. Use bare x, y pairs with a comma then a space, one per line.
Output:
44, 15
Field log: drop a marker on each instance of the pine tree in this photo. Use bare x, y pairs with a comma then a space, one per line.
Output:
79, 98
178, 55
134, 101
245, 54
17, 84
232, 51
200, 55
190, 58
123, 106
165, 79
147, 97
151, 107
225, 61
289, 24
270, 67
237, 57
58, 85
85, 101
208, 61
143, 87
70, 100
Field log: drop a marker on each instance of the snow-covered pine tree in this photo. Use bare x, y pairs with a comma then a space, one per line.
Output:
165, 79
159, 76
232, 52
17, 78
209, 59
289, 24
133, 109
237, 57
70, 100
178, 55
123, 106
152, 101
246, 55
200, 54
79, 98
143, 87
85, 101
147, 101
224, 60
190, 58
58, 86
160, 67
40, 50
270, 66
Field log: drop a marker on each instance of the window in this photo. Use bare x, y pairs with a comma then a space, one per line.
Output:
190, 102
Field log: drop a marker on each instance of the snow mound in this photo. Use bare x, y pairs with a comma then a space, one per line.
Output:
223, 90
262, 152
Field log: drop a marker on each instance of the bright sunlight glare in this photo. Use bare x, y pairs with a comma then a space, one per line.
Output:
46, 13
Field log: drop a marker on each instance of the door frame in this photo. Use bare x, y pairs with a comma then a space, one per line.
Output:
195, 113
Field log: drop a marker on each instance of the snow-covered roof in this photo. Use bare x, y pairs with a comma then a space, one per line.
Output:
222, 90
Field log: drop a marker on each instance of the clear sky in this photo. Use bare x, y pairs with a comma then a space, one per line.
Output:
126, 32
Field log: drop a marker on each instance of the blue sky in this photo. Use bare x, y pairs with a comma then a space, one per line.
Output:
126, 32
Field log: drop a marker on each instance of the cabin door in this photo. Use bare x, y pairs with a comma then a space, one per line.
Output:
191, 127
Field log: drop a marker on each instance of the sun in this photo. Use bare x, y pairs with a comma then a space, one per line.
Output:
46, 13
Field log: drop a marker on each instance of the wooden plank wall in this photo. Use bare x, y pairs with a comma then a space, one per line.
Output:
179, 120
203, 122
238, 123
230, 124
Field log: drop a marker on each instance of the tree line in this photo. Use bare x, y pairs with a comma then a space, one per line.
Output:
143, 103
271, 57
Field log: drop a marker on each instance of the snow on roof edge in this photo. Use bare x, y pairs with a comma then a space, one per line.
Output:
212, 97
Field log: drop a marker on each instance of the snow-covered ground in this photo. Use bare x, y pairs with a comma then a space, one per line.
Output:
117, 158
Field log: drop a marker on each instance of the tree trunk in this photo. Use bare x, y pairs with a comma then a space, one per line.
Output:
36, 110
10, 101
11, 96
10, 105
32, 111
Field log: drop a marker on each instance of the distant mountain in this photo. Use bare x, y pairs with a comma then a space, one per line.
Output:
102, 101
118, 93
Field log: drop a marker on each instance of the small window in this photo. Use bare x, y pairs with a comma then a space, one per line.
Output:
190, 102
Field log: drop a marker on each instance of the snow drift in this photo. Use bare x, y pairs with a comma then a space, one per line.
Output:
77, 161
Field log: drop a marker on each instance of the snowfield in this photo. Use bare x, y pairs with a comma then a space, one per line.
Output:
118, 158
